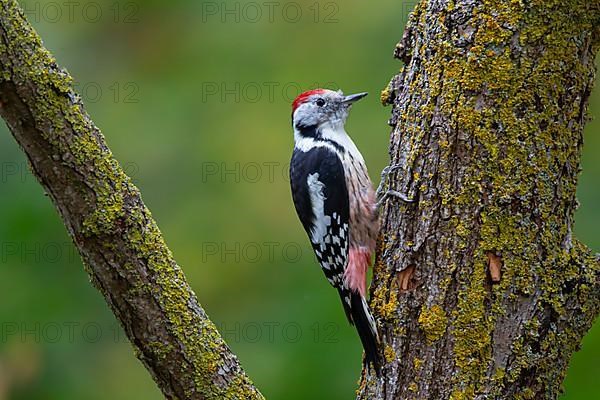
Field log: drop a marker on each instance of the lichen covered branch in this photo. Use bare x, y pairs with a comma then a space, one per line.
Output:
119, 242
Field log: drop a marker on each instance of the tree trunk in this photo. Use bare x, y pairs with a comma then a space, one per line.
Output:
480, 288
119, 242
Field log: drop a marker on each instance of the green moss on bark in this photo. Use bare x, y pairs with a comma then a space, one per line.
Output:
433, 321
494, 94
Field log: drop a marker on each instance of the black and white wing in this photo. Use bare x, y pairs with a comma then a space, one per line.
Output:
321, 200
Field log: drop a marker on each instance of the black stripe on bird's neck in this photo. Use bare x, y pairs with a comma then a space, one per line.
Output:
313, 132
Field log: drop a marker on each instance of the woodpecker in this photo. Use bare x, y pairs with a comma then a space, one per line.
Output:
335, 202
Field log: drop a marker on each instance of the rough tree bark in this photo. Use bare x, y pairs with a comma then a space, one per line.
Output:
119, 242
480, 287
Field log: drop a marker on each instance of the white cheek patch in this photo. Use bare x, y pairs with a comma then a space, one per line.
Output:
307, 114
321, 222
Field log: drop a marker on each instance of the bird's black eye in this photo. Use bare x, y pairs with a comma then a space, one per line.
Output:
320, 102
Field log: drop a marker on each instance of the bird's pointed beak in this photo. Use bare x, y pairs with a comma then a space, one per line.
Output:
354, 97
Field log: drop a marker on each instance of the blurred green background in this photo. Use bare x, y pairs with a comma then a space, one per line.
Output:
194, 100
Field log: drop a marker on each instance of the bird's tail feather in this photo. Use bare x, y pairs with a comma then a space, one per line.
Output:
359, 315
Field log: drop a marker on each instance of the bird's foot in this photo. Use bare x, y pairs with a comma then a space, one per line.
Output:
393, 193
383, 195
384, 174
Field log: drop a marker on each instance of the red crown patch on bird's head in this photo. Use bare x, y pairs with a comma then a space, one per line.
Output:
303, 97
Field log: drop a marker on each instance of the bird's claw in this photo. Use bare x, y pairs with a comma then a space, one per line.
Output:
383, 196
394, 193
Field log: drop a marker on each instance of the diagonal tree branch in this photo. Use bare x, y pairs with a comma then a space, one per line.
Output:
119, 242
